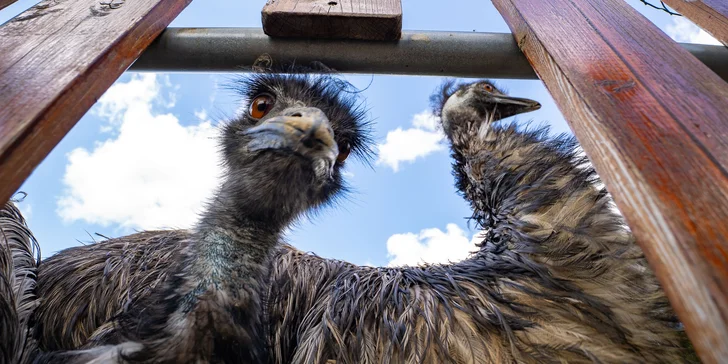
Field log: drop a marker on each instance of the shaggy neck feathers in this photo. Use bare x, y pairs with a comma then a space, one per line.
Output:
235, 236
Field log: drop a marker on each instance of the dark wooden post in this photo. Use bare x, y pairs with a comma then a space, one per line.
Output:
342, 19
56, 60
711, 15
654, 121
5, 3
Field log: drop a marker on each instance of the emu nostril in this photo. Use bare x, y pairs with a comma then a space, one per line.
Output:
297, 115
308, 142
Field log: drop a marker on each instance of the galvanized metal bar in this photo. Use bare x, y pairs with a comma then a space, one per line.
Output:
457, 54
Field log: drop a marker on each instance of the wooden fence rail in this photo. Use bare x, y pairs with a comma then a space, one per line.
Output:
5, 3
349, 19
653, 121
711, 15
56, 60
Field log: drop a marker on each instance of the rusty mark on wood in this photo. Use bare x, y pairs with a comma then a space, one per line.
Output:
615, 87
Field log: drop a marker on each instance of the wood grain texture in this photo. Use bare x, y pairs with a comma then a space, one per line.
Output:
5, 3
57, 59
711, 15
653, 121
338, 19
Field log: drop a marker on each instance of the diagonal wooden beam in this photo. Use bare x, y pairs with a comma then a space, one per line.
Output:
56, 60
711, 15
653, 121
5, 3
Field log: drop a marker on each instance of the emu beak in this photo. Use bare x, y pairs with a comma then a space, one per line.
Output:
302, 130
509, 106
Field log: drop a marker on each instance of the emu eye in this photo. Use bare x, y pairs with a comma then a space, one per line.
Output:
344, 150
261, 106
488, 87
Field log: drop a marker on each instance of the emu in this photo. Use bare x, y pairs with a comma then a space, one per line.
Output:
558, 277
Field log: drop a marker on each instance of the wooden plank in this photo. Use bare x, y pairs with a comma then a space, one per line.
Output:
5, 3
340, 19
711, 15
56, 60
653, 121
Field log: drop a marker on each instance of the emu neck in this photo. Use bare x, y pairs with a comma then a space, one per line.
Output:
233, 233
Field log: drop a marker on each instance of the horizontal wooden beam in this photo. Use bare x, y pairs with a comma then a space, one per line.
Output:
5, 3
56, 60
339, 19
711, 15
654, 122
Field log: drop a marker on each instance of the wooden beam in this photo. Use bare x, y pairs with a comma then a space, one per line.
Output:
5, 3
653, 121
711, 15
340, 19
56, 60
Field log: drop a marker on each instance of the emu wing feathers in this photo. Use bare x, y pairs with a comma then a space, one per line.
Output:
83, 289
19, 259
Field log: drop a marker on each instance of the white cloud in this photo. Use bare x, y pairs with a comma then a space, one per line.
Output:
140, 90
431, 246
152, 173
201, 114
406, 145
683, 30
425, 120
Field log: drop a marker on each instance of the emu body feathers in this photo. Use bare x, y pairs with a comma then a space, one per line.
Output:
19, 259
557, 278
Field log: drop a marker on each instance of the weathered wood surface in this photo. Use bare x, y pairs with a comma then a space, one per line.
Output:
711, 15
5, 3
56, 60
654, 121
340, 19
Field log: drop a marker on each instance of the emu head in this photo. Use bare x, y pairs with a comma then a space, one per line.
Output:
480, 101
285, 151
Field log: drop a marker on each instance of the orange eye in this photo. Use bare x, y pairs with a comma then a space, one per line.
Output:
488, 87
344, 150
261, 106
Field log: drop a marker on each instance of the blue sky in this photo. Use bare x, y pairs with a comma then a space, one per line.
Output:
144, 156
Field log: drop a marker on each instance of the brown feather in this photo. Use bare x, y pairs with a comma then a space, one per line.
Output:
19, 259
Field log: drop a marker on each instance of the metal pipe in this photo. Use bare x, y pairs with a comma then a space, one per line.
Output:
457, 54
